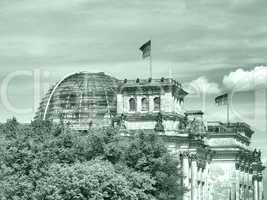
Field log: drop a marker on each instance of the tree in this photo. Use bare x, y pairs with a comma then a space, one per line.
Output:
147, 153
32, 156
96, 180
10, 128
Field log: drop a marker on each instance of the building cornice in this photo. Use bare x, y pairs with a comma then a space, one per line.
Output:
237, 136
149, 116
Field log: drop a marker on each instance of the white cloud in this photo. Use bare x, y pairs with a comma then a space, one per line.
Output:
202, 85
242, 80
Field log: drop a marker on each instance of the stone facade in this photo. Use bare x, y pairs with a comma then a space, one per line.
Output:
216, 159
152, 100
236, 167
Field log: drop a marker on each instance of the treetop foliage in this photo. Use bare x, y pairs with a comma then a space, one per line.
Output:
44, 161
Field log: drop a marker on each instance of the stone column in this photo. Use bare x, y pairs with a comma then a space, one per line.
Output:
237, 183
255, 188
120, 103
186, 175
234, 197
202, 191
203, 183
138, 104
194, 178
198, 182
151, 103
205, 186
250, 184
245, 192
260, 188
246, 182
198, 189
126, 106
241, 183
208, 185
250, 193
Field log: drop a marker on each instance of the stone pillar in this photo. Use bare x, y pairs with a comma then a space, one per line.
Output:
186, 175
126, 106
250, 193
233, 193
198, 189
241, 192
151, 103
205, 186
203, 183
208, 184
166, 102
204, 196
198, 181
120, 104
246, 183
245, 192
255, 188
250, 185
194, 178
202, 191
237, 183
139, 103
260, 188
241, 183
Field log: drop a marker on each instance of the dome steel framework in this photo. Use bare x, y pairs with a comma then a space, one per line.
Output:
81, 99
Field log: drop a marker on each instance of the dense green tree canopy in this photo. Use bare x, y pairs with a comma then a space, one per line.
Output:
46, 161
96, 180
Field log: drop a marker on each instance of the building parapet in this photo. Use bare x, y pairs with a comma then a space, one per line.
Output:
146, 86
161, 81
242, 128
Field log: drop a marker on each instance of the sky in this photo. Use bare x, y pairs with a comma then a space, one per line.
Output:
210, 46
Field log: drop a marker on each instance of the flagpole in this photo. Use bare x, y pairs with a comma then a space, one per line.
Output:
228, 112
150, 60
147, 52
224, 100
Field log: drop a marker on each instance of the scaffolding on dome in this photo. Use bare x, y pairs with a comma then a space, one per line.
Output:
81, 100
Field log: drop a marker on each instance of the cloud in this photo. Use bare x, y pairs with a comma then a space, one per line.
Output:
104, 35
202, 85
246, 80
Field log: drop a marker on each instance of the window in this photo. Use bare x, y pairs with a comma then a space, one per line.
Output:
73, 100
132, 104
156, 104
144, 104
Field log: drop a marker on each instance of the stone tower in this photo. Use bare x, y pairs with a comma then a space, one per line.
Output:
151, 104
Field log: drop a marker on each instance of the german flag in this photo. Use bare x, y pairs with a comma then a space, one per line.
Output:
222, 100
146, 49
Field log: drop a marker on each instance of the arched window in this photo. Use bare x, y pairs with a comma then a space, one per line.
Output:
156, 104
132, 104
145, 105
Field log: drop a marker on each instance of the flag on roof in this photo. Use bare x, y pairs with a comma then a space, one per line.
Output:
146, 49
222, 99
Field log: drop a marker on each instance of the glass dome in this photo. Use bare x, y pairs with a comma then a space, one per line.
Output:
82, 100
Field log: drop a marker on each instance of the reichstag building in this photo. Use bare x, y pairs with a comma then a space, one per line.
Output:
216, 158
